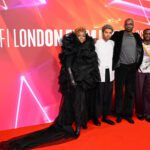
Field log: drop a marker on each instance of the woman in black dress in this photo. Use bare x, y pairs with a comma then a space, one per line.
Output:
78, 78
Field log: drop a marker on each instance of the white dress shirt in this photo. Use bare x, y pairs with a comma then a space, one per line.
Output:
104, 50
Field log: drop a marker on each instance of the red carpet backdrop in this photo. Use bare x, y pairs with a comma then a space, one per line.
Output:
30, 33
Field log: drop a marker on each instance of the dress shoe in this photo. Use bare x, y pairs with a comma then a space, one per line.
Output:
147, 119
77, 132
140, 117
106, 120
96, 122
129, 119
119, 119
84, 126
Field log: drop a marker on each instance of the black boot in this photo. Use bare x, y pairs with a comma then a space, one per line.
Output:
119, 118
129, 119
106, 120
84, 126
96, 122
140, 117
77, 131
147, 119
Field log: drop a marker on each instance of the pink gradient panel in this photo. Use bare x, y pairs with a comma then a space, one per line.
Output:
9, 4
23, 82
139, 7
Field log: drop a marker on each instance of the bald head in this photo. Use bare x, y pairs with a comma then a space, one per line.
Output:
129, 24
129, 19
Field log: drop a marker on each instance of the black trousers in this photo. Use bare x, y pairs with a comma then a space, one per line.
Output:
142, 101
125, 77
106, 89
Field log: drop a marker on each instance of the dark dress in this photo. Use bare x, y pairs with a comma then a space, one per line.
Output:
76, 106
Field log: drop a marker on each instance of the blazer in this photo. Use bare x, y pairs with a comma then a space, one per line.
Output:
117, 37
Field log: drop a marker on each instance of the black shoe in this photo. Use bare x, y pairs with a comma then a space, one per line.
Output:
96, 122
140, 117
129, 119
77, 132
106, 120
84, 126
119, 119
147, 119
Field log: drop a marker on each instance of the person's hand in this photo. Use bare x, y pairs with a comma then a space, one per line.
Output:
73, 83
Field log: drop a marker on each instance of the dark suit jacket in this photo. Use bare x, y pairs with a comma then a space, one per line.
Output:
117, 37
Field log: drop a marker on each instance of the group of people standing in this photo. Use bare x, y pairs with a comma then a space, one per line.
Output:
129, 65
125, 58
89, 69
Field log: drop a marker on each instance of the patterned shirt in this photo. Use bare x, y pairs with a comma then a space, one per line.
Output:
145, 66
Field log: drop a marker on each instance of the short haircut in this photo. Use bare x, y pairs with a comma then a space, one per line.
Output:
107, 26
145, 30
80, 29
128, 20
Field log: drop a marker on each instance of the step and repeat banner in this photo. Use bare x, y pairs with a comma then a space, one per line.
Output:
30, 39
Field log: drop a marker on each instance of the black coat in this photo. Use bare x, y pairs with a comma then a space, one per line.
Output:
117, 37
82, 59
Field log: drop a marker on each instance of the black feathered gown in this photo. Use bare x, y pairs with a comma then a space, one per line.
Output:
76, 105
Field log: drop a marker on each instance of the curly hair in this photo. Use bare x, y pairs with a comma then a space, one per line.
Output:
80, 29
